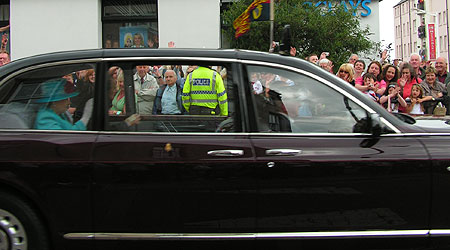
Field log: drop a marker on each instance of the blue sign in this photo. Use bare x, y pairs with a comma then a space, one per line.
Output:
348, 5
133, 37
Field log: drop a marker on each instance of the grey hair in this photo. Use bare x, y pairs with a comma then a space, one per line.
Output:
352, 56
324, 60
415, 54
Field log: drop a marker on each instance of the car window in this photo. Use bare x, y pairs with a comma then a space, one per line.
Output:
172, 98
52, 98
286, 101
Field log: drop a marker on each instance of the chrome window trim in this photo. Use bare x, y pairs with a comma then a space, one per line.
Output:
172, 58
257, 236
220, 134
16, 131
24, 70
440, 232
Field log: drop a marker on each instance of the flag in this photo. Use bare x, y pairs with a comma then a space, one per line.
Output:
259, 10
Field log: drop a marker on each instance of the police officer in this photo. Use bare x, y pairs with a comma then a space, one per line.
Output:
204, 93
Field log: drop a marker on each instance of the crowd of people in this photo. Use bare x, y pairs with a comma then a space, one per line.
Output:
413, 87
165, 90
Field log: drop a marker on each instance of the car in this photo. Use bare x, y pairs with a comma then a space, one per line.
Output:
301, 159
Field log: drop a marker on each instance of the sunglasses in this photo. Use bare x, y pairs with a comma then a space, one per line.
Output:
343, 71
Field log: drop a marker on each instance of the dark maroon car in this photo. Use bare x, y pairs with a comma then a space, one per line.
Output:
301, 160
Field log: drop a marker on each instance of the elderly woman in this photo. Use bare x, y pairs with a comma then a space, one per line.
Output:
326, 65
56, 95
345, 72
431, 86
432, 89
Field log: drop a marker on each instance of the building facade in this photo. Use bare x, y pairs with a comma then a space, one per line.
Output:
58, 25
421, 27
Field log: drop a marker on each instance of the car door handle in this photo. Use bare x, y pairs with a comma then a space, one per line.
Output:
226, 152
283, 152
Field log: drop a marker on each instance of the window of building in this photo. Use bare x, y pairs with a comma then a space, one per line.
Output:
444, 17
415, 47
403, 31
440, 18
445, 44
414, 26
130, 24
407, 28
440, 44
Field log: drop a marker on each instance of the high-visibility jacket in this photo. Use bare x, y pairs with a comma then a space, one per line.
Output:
204, 87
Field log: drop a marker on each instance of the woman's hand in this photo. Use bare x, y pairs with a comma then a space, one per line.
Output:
403, 80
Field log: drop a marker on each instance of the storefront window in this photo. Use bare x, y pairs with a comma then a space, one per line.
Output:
130, 24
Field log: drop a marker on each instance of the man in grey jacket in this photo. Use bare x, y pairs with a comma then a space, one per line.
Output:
145, 87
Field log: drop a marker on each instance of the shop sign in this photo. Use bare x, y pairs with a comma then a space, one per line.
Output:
349, 5
432, 41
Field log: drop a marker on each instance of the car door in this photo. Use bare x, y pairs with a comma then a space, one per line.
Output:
171, 179
322, 175
436, 144
48, 168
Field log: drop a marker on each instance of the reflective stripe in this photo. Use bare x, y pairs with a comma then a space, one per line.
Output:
184, 94
185, 101
190, 78
204, 101
222, 93
203, 92
190, 89
214, 81
223, 102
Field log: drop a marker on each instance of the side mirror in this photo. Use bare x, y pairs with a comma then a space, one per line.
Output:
375, 125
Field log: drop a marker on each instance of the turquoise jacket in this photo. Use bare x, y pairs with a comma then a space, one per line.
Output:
47, 119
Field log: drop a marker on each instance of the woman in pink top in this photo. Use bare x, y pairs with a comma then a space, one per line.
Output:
407, 79
380, 85
359, 68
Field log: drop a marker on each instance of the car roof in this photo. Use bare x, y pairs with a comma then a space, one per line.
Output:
171, 52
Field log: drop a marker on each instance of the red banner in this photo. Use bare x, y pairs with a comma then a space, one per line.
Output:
432, 41
242, 23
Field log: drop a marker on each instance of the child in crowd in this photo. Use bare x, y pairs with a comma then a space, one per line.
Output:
392, 99
416, 105
369, 80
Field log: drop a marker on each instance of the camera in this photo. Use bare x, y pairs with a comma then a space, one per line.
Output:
285, 45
